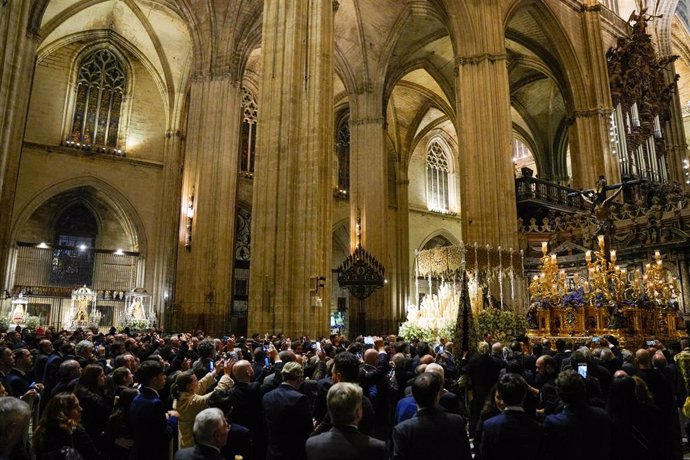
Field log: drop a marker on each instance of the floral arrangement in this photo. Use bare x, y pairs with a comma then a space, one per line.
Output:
411, 331
501, 324
574, 298
137, 324
33, 322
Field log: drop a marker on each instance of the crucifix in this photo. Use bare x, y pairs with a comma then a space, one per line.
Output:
601, 203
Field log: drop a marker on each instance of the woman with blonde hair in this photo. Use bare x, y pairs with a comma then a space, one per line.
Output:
191, 397
59, 434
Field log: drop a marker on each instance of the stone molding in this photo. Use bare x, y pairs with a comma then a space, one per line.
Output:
367, 121
479, 58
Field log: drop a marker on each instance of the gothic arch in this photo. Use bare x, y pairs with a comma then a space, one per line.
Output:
564, 54
125, 212
443, 233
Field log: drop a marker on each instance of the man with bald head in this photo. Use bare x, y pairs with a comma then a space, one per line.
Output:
374, 381
245, 397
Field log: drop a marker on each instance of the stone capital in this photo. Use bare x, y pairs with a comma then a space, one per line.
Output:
589, 113
367, 121
479, 58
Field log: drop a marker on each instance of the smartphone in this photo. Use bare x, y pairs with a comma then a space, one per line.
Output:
317, 346
441, 350
32, 386
595, 339
582, 370
650, 342
267, 362
368, 340
211, 366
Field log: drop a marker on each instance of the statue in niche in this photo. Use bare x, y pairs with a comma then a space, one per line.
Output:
82, 315
18, 314
137, 310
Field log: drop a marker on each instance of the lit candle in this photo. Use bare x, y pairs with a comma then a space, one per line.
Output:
659, 262
553, 257
601, 241
613, 255
588, 256
544, 247
657, 255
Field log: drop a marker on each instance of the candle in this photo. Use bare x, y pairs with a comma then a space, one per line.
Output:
613, 255
601, 241
544, 247
657, 255
588, 256
553, 257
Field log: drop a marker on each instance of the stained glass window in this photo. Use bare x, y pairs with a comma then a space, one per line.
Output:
100, 91
437, 177
342, 147
248, 146
73, 257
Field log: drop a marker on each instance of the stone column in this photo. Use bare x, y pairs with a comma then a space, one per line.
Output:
209, 185
292, 204
18, 44
169, 219
590, 148
400, 277
369, 201
487, 197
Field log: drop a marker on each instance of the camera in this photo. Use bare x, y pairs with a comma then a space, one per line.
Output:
582, 370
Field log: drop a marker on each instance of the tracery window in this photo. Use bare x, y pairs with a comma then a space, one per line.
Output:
101, 85
73, 257
248, 145
342, 148
437, 172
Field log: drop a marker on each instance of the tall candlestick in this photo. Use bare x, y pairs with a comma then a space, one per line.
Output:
488, 274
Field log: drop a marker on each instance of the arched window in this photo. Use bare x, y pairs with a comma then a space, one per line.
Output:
248, 146
75, 237
342, 148
437, 171
101, 84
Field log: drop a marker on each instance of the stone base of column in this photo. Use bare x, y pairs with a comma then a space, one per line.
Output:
215, 320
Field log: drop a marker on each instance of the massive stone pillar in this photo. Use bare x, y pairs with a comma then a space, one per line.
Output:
590, 148
292, 205
166, 248
209, 188
369, 201
18, 44
487, 191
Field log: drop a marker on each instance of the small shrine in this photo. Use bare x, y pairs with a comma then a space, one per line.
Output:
19, 312
138, 313
83, 312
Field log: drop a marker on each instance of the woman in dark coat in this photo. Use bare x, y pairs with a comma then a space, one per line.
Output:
59, 434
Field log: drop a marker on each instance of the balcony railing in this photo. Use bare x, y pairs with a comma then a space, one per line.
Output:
544, 193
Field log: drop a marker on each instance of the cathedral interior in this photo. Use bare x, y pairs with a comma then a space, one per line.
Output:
224, 159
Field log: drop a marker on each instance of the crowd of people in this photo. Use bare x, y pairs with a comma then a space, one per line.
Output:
89, 395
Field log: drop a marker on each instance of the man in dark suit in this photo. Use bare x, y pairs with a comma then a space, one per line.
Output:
570, 434
483, 371
432, 433
152, 432
512, 434
245, 400
344, 441
345, 369
287, 415
211, 434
